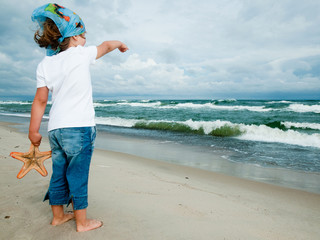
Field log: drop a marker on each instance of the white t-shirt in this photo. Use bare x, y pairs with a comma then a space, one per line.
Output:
67, 76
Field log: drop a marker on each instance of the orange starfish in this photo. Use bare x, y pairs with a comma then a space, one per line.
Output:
32, 159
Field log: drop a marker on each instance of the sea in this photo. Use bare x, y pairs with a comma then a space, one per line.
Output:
279, 136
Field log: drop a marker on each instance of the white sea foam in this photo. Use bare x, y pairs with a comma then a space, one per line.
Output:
100, 104
158, 104
315, 126
207, 126
227, 100
108, 100
296, 107
184, 105
249, 132
220, 107
240, 108
25, 115
16, 102
141, 104
20, 102
260, 133
116, 121
195, 125
266, 134
282, 101
16, 114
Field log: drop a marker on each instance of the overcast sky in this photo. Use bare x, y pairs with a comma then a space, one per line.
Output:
213, 49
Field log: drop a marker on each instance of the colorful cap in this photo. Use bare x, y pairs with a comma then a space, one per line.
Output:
67, 21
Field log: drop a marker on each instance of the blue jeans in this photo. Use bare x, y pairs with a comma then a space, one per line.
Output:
72, 150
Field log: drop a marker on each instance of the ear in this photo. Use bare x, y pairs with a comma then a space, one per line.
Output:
75, 38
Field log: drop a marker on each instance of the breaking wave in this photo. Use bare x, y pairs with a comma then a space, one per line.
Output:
219, 128
302, 108
219, 107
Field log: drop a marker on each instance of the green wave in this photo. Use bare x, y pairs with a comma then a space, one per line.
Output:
166, 126
276, 124
224, 131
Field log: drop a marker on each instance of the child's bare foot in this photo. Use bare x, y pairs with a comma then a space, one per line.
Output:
58, 221
90, 224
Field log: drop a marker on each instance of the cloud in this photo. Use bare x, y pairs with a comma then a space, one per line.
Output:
186, 49
139, 76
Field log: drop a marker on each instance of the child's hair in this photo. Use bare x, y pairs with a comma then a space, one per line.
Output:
49, 37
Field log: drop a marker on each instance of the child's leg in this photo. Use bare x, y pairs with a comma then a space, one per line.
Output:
58, 192
84, 224
59, 216
78, 145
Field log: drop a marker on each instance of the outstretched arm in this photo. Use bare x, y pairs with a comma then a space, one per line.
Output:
38, 107
109, 46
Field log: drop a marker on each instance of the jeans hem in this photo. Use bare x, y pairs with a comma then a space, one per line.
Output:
61, 201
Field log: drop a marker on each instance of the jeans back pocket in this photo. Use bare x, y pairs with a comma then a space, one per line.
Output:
72, 140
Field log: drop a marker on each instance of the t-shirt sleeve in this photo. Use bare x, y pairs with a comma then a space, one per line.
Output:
40, 77
92, 52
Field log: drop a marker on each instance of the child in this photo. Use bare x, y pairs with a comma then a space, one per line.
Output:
71, 127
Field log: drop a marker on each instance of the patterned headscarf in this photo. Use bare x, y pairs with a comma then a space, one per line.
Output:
67, 21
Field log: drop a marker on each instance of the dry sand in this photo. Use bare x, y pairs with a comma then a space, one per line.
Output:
139, 198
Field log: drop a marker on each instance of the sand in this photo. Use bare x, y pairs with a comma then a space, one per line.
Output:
139, 198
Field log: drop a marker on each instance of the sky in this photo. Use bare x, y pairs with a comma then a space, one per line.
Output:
179, 49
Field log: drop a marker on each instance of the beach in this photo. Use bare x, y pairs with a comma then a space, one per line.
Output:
141, 198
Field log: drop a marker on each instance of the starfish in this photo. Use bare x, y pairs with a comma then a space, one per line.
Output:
32, 159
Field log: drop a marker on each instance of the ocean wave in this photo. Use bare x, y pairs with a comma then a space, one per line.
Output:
302, 108
176, 105
121, 100
314, 126
19, 102
216, 128
266, 134
226, 100
293, 125
219, 107
215, 105
97, 104
116, 121
282, 101
143, 103
219, 128
25, 115
277, 124
16, 102
108, 100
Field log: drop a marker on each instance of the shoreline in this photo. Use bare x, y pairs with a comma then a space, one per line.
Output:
185, 155
141, 198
